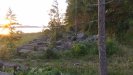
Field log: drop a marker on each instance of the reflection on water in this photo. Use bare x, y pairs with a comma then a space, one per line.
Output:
29, 30
24, 28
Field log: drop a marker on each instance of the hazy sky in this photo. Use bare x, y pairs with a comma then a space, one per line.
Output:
30, 12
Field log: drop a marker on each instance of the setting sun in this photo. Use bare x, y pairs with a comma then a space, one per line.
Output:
4, 21
4, 31
4, 24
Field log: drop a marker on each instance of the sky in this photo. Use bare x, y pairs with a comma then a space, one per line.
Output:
30, 12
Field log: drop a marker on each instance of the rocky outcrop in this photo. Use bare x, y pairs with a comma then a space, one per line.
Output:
42, 43
4, 73
34, 45
81, 36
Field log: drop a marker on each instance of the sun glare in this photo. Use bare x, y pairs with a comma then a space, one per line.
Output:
4, 27
4, 31
4, 21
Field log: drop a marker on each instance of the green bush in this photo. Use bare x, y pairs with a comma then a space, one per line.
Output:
79, 50
84, 48
112, 47
41, 71
50, 54
92, 48
60, 70
5, 53
34, 55
52, 72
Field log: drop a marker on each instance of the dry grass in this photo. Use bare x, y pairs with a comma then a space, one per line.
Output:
26, 37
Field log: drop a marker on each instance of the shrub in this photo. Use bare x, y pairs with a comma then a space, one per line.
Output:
34, 55
5, 53
43, 71
50, 54
92, 48
78, 50
112, 47
84, 48
53, 71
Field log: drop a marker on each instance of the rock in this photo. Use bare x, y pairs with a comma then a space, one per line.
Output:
81, 36
76, 64
18, 59
42, 48
35, 39
27, 46
93, 38
40, 43
74, 38
58, 43
4, 73
33, 44
59, 47
67, 44
24, 51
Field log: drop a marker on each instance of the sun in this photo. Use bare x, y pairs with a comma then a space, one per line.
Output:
4, 31
4, 21
4, 26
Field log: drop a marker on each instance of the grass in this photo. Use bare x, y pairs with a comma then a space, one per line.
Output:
116, 65
120, 63
66, 67
26, 37
87, 65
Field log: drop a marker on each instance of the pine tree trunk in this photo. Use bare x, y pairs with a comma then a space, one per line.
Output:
101, 37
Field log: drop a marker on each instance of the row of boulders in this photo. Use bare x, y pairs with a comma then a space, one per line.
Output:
34, 45
42, 43
4, 73
4, 66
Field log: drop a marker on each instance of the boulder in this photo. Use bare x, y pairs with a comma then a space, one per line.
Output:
42, 48
60, 42
24, 51
27, 46
81, 36
4, 73
93, 38
67, 44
